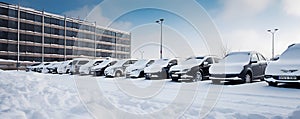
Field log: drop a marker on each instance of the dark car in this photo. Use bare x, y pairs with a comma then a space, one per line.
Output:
239, 66
193, 68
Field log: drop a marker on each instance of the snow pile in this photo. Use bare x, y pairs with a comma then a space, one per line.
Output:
37, 96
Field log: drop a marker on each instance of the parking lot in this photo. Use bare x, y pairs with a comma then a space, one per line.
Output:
106, 97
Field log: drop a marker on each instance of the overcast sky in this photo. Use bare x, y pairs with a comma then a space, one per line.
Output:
241, 24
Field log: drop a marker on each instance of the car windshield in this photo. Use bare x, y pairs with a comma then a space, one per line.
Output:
74, 62
83, 62
92, 62
35, 64
192, 60
292, 53
120, 63
240, 57
160, 62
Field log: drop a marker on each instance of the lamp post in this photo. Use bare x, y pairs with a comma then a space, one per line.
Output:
160, 21
273, 33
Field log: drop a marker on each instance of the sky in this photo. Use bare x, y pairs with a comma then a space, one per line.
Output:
200, 27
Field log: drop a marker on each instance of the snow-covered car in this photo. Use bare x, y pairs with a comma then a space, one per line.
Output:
239, 66
76, 64
52, 67
32, 67
118, 69
193, 68
136, 70
64, 67
41, 67
160, 68
286, 69
98, 70
86, 68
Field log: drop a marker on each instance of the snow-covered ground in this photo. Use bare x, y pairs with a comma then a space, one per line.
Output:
38, 96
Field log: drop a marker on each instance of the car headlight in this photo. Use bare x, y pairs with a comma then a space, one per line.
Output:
185, 70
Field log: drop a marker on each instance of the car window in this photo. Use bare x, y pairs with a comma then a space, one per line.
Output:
261, 58
112, 63
132, 61
216, 60
254, 57
209, 60
173, 62
83, 62
97, 62
150, 62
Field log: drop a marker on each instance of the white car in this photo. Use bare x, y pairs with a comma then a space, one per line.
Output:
118, 69
239, 67
86, 68
52, 67
160, 68
40, 67
64, 67
137, 69
98, 70
286, 69
76, 64
32, 67
193, 68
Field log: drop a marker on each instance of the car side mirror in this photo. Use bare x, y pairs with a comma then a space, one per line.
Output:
253, 62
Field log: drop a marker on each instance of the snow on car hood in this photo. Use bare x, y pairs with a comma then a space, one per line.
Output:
283, 68
132, 67
182, 67
227, 68
153, 69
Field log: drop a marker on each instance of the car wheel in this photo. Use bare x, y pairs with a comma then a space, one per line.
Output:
247, 78
147, 77
262, 79
174, 79
273, 84
118, 74
198, 76
214, 81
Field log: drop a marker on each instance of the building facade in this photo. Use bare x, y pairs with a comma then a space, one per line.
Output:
31, 35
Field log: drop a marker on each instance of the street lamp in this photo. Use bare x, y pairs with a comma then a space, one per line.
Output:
273, 33
160, 21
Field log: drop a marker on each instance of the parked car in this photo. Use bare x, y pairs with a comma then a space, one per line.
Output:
239, 66
286, 69
40, 67
98, 70
64, 67
32, 67
193, 68
86, 68
160, 68
137, 69
52, 67
76, 64
118, 69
